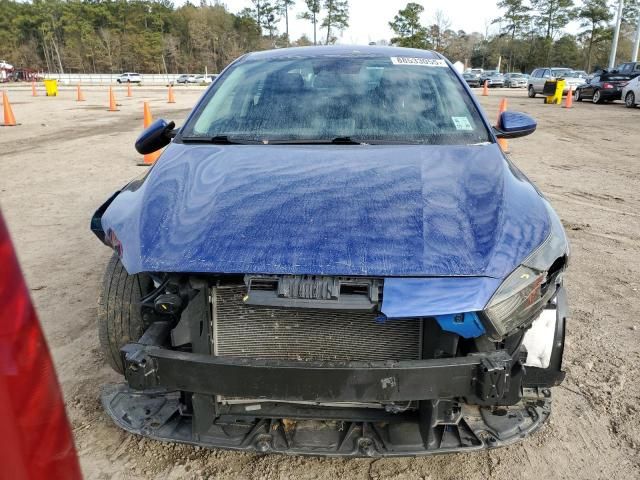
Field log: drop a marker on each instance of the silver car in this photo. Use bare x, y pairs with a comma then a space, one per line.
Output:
574, 79
496, 79
515, 80
541, 75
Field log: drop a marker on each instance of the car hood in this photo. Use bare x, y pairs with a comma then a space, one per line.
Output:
333, 210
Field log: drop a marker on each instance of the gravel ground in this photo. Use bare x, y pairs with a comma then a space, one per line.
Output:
67, 157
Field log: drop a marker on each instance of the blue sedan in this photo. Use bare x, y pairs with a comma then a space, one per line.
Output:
333, 256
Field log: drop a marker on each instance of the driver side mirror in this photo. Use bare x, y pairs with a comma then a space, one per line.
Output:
155, 136
514, 125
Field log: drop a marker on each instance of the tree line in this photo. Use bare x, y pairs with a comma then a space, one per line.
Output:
530, 33
154, 36
151, 36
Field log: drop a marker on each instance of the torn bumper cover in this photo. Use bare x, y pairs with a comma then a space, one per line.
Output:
173, 396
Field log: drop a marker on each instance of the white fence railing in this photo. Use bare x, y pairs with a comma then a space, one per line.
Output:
107, 78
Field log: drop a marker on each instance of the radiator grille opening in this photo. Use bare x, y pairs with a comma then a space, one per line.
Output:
241, 330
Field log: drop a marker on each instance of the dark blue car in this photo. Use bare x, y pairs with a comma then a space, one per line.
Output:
333, 256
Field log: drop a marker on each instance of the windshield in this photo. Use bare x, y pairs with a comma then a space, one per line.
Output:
515, 75
364, 99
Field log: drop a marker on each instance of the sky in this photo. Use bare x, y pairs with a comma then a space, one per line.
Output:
369, 19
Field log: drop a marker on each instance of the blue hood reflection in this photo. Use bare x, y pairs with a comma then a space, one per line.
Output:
387, 211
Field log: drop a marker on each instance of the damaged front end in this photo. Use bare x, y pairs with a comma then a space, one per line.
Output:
364, 308
311, 365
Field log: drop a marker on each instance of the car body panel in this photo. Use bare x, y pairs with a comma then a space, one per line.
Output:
332, 210
422, 297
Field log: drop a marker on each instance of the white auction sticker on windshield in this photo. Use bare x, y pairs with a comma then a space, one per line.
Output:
423, 62
462, 123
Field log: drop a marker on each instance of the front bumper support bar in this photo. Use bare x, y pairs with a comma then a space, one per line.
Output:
478, 378
316, 408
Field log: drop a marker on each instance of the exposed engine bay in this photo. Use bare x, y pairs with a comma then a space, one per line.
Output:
309, 365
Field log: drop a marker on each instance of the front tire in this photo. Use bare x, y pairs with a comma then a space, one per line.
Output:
120, 320
532, 92
597, 97
630, 100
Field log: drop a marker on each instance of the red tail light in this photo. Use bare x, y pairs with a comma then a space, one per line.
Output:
36, 437
608, 85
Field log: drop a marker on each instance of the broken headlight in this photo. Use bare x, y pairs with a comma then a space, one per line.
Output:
525, 292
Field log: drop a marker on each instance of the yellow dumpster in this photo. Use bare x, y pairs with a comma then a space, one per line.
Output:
51, 86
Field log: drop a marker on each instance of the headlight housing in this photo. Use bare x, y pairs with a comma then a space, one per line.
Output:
525, 292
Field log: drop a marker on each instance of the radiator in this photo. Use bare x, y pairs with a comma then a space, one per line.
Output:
241, 330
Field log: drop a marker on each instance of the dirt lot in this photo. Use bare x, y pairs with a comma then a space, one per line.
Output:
66, 158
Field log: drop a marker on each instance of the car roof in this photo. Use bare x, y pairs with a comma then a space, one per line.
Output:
343, 50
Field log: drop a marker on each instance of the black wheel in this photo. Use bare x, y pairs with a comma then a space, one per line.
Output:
119, 318
630, 100
576, 96
532, 92
597, 97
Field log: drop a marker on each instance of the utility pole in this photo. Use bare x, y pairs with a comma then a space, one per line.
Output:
614, 45
636, 44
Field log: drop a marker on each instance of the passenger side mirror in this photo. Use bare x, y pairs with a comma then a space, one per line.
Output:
514, 125
155, 136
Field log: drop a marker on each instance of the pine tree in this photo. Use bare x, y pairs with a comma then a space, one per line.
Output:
337, 17
408, 29
313, 10
594, 16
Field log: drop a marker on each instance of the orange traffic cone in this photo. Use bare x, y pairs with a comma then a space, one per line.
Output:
79, 94
504, 144
149, 158
172, 99
129, 92
112, 101
568, 103
33, 89
485, 89
9, 119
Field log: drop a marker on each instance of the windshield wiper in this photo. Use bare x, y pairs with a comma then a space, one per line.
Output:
346, 141
219, 140
318, 141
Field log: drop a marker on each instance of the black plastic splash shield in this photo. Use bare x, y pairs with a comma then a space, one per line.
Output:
161, 415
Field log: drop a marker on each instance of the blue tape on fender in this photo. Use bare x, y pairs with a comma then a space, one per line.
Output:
440, 297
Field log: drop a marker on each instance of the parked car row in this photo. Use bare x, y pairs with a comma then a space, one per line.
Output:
621, 83
133, 77
196, 79
606, 88
494, 78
